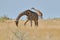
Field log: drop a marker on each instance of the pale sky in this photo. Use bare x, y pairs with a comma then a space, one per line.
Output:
11, 8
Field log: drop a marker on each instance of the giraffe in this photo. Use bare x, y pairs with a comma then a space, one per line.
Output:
39, 13
32, 16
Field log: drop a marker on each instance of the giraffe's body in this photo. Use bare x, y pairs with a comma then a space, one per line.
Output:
32, 16
39, 13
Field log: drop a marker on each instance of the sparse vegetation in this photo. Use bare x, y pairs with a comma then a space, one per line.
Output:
47, 30
4, 18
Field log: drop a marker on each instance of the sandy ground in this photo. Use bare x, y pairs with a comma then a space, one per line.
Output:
47, 30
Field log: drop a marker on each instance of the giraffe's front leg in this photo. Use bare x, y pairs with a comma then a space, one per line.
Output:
26, 22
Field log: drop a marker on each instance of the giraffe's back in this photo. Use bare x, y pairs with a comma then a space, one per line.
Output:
32, 15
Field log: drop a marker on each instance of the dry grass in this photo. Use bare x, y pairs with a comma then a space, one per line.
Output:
47, 30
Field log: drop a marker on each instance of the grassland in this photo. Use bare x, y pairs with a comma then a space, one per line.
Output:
47, 30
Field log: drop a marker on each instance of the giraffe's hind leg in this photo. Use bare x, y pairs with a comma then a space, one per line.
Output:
36, 23
31, 23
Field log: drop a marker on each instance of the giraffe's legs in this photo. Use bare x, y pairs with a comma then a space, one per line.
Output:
36, 22
26, 22
31, 22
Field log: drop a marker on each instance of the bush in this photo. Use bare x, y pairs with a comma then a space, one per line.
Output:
3, 18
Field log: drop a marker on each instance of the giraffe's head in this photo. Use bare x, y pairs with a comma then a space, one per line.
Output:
16, 22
